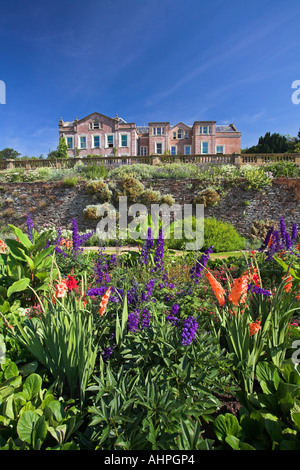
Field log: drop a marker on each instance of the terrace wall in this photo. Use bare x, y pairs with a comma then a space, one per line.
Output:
54, 203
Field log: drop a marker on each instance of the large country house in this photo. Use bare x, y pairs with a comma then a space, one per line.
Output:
97, 134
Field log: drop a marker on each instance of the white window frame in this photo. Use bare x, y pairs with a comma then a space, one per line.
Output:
93, 141
190, 147
143, 151
79, 142
161, 131
70, 137
204, 142
120, 140
220, 153
162, 149
186, 134
181, 136
106, 141
201, 130
175, 147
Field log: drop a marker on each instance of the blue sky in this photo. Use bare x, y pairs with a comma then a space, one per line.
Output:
154, 60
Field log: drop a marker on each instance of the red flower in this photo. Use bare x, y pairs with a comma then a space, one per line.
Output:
72, 284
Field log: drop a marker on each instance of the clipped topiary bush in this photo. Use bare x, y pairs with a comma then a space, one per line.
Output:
167, 199
99, 189
129, 187
207, 197
150, 196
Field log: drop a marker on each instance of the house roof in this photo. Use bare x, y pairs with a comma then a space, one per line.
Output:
181, 124
226, 128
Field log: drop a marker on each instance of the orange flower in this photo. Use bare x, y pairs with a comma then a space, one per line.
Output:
61, 288
288, 283
254, 327
270, 241
104, 302
3, 246
239, 290
217, 289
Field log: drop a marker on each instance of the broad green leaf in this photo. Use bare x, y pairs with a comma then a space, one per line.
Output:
225, 425
42, 255
296, 419
11, 371
32, 385
55, 410
26, 425
21, 236
273, 427
18, 286
59, 432
39, 433
16, 249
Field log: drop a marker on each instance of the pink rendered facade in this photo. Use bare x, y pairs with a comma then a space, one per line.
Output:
97, 134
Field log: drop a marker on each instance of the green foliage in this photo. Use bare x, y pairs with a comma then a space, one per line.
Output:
9, 153
70, 182
31, 418
158, 395
256, 177
207, 197
27, 265
100, 189
283, 169
92, 172
62, 340
129, 187
271, 143
62, 148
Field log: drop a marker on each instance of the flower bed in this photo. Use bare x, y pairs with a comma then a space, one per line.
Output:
147, 350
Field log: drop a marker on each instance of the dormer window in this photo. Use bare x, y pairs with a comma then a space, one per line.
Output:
180, 134
158, 130
205, 130
95, 125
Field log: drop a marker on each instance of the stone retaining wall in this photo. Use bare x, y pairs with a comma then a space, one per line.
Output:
54, 203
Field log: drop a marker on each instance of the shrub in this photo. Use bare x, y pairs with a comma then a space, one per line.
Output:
207, 197
131, 188
221, 235
151, 196
256, 177
92, 172
100, 189
168, 199
260, 228
70, 181
283, 169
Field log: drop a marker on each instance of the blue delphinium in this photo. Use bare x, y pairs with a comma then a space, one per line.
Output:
75, 238
172, 317
30, 226
189, 331
294, 234
159, 253
197, 270
147, 247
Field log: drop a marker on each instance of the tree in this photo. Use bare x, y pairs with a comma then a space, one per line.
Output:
62, 148
8, 153
272, 143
